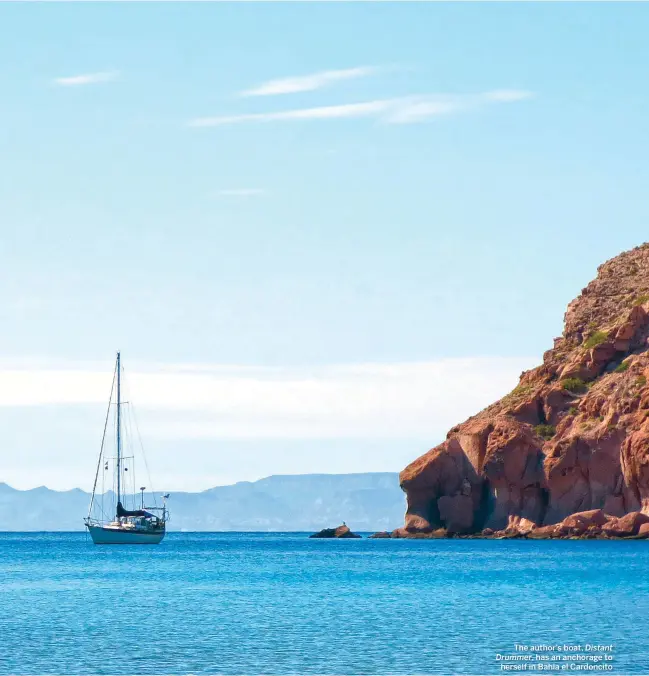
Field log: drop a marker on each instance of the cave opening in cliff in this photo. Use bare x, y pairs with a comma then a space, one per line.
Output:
540, 412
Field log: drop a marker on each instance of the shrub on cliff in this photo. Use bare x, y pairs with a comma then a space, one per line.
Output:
575, 385
641, 300
595, 339
545, 431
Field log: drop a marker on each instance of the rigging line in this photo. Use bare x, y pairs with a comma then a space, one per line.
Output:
131, 450
104, 516
103, 492
104, 497
127, 438
101, 451
146, 464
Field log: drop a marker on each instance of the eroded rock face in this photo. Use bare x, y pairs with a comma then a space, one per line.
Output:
513, 472
571, 439
443, 490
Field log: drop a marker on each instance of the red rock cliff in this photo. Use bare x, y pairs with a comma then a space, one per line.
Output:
572, 436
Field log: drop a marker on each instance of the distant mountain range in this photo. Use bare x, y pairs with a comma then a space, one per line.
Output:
306, 502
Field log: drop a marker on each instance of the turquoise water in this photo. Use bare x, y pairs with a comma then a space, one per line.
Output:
237, 603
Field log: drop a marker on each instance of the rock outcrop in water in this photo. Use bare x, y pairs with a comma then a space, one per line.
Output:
566, 453
340, 532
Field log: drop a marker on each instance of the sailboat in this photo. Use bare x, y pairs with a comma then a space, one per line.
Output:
109, 521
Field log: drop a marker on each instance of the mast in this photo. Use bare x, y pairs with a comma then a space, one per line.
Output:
119, 431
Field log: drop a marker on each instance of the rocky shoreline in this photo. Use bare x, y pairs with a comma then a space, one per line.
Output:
589, 525
593, 524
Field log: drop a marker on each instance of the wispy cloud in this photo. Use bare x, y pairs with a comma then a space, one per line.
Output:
368, 109
86, 79
346, 418
403, 110
307, 83
398, 400
241, 192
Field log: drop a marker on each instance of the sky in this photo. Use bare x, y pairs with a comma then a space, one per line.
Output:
320, 234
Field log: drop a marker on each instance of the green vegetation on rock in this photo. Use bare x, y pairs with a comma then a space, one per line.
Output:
575, 385
545, 431
518, 392
595, 339
641, 300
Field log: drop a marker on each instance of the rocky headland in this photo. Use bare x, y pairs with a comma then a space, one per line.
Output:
566, 452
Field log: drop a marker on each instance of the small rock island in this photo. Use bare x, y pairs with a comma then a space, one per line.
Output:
340, 532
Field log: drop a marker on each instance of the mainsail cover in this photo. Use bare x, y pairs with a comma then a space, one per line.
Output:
137, 512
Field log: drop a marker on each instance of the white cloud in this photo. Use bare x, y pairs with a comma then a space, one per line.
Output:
86, 79
413, 110
368, 109
370, 401
241, 192
307, 83
403, 110
506, 95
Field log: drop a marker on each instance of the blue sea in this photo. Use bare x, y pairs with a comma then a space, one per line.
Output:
244, 603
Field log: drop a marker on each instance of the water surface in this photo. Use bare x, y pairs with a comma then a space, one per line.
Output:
235, 603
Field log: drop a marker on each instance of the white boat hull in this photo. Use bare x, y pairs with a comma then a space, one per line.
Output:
102, 535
